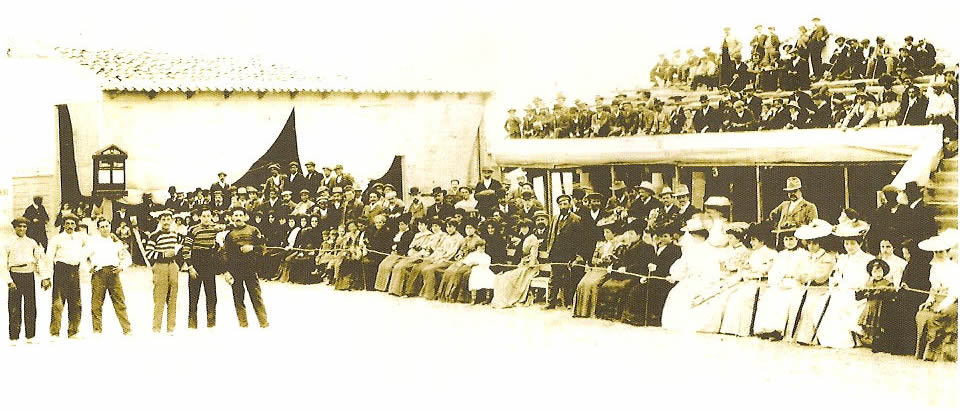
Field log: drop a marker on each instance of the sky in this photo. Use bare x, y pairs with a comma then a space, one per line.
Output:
515, 48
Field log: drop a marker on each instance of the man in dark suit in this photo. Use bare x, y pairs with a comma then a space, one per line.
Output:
485, 191
641, 207
678, 117
656, 261
329, 179
294, 179
797, 73
601, 122
37, 219
740, 118
685, 210
922, 217
566, 246
312, 178
219, 204
221, 185
706, 119
440, 209
796, 117
822, 116
818, 40
913, 108
591, 215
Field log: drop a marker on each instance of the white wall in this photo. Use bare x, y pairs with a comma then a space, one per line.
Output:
184, 142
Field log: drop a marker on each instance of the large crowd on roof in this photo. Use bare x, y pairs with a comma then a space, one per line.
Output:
771, 85
644, 256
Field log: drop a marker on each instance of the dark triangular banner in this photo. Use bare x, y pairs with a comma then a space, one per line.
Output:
393, 176
282, 152
69, 182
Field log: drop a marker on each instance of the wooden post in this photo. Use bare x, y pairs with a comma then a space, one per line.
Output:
548, 187
759, 197
846, 187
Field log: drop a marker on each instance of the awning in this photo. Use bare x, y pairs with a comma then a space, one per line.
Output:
812, 146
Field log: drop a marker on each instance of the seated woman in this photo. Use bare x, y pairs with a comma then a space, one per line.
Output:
840, 320
350, 276
301, 263
898, 319
481, 278
937, 318
419, 247
738, 315
877, 291
818, 271
402, 241
294, 240
690, 306
402, 280
585, 298
496, 248
780, 299
430, 269
454, 279
512, 286
896, 264
323, 256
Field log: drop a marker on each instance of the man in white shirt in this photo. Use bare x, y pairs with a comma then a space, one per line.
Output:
108, 257
23, 256
67, 253
941, 104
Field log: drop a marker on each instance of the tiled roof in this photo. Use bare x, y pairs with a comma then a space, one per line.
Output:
120, 70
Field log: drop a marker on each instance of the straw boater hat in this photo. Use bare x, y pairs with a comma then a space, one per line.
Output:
646, 185
666, 192
793, 184
936, 243
618, 185
816, 229
682, 190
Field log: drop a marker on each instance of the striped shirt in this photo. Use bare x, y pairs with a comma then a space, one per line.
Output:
159, 242
200, 237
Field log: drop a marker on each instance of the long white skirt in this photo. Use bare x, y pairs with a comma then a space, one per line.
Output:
777, 310
481, 278
841, 320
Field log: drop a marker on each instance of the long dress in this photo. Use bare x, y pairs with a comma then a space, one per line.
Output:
840, 320
612, 295
511, 287
351, 269
738, 315
780, 301
937, 331
400, 276
821, 264
585, 298
899, 316
689, 306
878, 293
386, 266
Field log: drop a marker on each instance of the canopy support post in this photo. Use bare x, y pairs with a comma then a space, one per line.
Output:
759, 196
846, 186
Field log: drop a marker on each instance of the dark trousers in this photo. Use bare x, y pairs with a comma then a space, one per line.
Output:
66, 290
105, 280
563, 278
205, 263
24, 292
247, 281
816, 60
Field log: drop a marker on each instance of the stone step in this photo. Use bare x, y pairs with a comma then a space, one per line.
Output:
948, 164
945, 208
942, 192
941, 177
945, 221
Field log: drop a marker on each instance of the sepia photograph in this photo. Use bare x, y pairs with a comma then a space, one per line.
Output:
503, 205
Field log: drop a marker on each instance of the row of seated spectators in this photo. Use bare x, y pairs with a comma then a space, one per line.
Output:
887, 104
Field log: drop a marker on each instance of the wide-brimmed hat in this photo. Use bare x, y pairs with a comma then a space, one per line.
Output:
717, 201
815, 229
936, 243
618, 185
793, 184
682, 190
694, 224
666, 191
850, 230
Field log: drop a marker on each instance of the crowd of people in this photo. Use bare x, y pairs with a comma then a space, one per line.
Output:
774, 64
790, 67
644, 256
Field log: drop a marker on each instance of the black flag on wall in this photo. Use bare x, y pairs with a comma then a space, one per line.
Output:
69, 182
282, 152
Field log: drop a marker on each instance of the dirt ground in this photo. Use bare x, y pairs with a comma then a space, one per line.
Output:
360, 350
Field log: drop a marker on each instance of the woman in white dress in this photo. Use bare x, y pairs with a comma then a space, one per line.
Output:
738, 315
820, 266
697, 272
780, 299
839, 326
896, 264
937, 317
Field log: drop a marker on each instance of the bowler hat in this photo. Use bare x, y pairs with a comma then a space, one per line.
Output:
414, 191
438, 190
